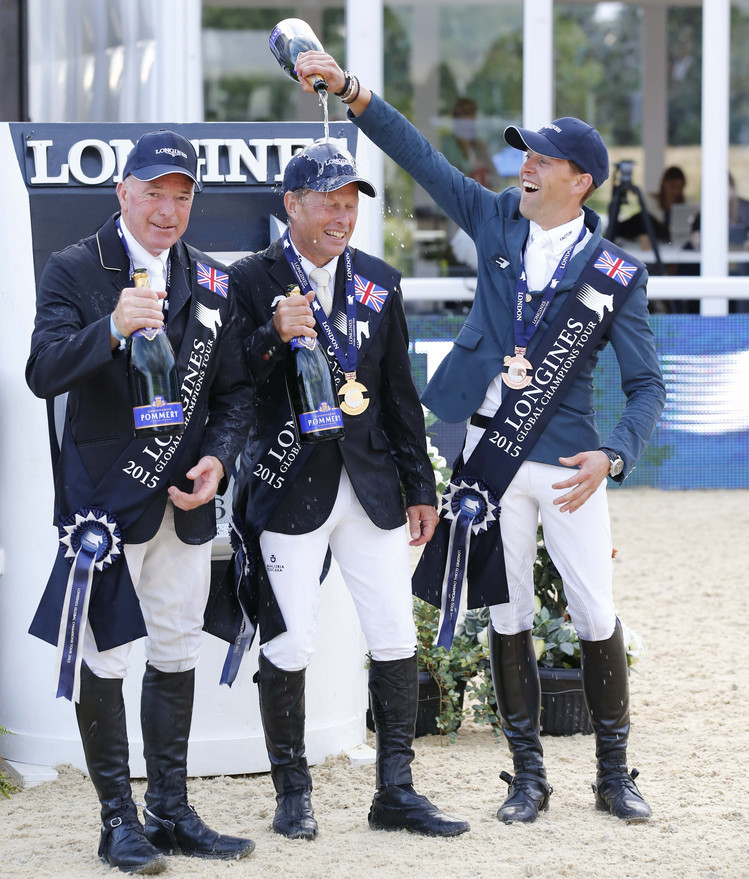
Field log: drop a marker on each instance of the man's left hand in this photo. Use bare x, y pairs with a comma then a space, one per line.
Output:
206, 475
422, 520
594, 467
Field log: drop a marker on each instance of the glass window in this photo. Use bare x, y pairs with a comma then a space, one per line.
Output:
242, 80
456, 72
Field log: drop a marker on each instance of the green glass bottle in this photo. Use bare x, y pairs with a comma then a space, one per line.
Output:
154, 383
312, 391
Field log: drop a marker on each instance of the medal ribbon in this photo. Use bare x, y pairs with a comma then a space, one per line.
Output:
246, 634
524, 333
73, 620
472, 508
92, 540
347, 358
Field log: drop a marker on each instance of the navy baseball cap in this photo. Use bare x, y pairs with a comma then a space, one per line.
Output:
566, 138
323, 167
157, 153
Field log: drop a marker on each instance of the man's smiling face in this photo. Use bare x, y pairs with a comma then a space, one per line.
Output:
551, 191
156, 211
322, 222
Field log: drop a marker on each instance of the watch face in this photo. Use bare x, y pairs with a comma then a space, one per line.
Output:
617, 465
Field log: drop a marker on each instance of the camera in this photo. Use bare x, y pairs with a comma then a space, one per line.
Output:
624, 169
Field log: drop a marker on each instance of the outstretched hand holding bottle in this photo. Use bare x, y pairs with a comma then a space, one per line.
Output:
341, 83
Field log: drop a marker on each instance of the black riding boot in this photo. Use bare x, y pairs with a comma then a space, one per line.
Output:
518, 692
172, 825
281, 695
606, 688
394, 696
101, 720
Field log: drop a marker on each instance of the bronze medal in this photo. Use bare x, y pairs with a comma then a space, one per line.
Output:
518, 369
354, 402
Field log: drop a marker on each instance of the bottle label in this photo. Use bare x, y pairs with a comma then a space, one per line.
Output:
158, 413
150, 333
303, 342
326, 417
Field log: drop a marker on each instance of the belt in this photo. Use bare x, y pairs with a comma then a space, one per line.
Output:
482, 421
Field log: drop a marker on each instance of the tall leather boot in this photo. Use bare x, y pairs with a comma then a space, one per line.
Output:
606, 688
281, 695
518, 692
394, 697
172, 825
101, 721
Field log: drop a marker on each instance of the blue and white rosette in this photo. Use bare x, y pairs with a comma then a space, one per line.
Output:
91, 540
243, 641
473, 508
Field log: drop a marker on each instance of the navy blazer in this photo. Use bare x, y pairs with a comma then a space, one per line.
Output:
493, 221
71, 353
384, 447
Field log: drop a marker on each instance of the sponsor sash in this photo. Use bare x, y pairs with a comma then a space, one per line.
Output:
95, 518
467, 545
245, 601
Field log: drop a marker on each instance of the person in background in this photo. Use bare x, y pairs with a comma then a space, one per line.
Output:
659, 206
143, 506
542, 265
292, 504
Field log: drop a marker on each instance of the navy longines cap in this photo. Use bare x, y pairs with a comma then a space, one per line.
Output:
323, 167
157, 153
566, 138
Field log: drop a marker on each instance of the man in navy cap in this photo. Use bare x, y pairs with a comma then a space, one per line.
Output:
551, 293
293, 501
136, 516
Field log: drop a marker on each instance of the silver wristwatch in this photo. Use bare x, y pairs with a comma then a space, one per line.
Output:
617, 462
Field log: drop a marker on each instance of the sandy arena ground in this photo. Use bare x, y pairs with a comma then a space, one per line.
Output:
681, 577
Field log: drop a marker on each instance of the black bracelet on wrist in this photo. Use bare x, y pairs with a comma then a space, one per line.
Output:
346, 85
350, 100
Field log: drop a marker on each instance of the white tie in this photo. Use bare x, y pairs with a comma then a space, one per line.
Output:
321, 277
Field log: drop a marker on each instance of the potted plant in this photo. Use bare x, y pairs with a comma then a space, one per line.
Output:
446, 675
448, 679
7, 787
563, 710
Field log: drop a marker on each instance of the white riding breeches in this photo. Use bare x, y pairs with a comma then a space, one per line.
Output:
579, 544
375, 566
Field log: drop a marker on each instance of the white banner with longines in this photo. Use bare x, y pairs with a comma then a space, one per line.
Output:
70, 170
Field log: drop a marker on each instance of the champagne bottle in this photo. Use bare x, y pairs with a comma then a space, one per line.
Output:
311, 389
154, 384
288, 39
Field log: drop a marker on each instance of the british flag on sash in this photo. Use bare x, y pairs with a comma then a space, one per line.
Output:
369, 294
216, 281
615, 267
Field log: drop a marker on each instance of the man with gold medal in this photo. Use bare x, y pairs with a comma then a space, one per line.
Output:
295, 503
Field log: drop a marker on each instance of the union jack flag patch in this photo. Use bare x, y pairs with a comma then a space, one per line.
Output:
369, 294
615, 267
215, 280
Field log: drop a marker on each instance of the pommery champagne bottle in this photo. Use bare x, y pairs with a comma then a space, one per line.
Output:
311, 389
154, 383
288, 39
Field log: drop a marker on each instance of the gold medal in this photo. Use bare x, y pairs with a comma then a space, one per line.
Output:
354, 402
518, 369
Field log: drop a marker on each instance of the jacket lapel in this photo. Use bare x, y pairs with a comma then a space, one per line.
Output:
113, 257
279, 268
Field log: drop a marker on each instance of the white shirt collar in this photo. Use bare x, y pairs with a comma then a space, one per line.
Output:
558, 239
141, 258
308, 265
